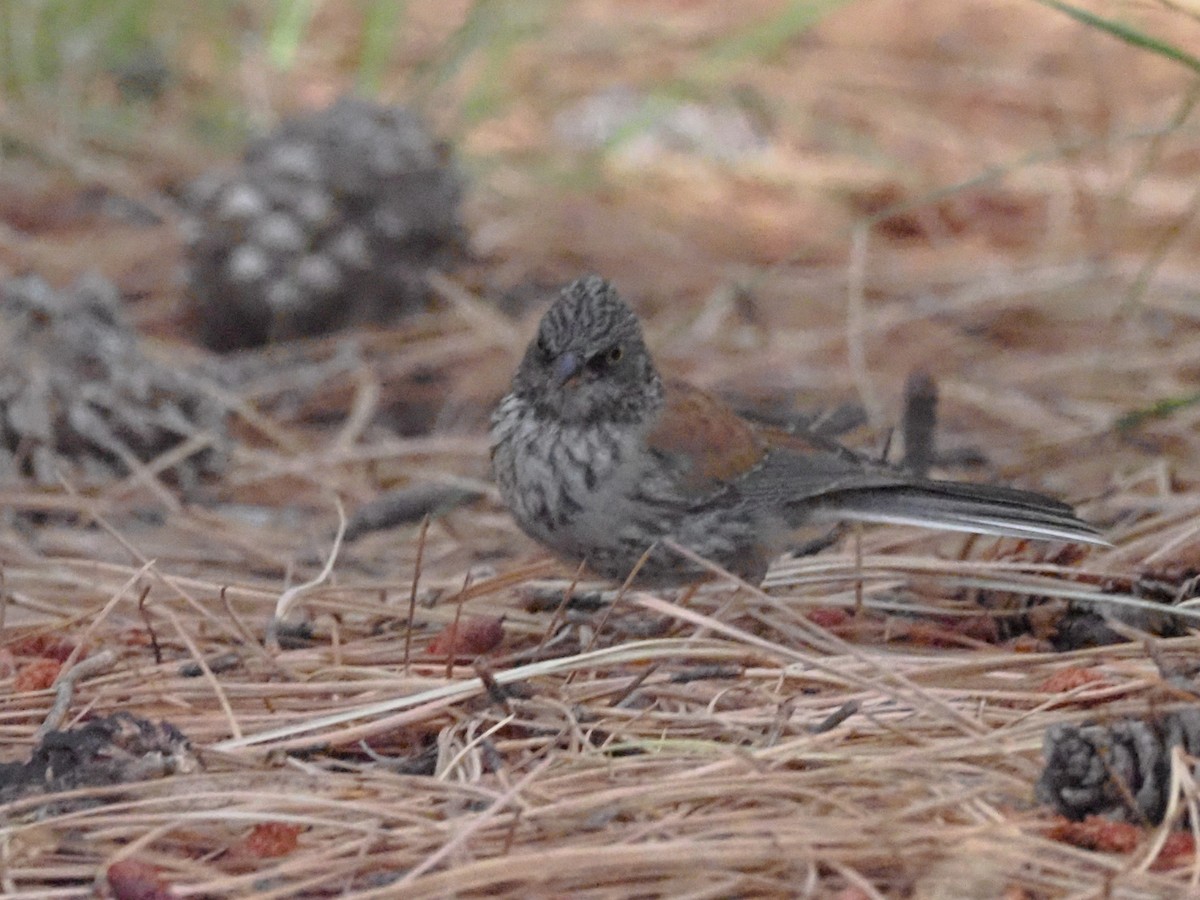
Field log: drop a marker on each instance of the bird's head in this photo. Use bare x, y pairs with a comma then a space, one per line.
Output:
588, 362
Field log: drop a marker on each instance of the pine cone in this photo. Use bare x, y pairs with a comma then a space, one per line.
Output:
77, 393
334, 219
1121, 770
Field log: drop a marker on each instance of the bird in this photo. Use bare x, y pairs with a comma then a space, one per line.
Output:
608, 463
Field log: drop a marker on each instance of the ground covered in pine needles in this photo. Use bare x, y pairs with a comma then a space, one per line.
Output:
997, 195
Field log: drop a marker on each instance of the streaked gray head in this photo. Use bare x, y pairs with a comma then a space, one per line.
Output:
588, 362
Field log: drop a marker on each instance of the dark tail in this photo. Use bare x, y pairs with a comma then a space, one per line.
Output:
956, 506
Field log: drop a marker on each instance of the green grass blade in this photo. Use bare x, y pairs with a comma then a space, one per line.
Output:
379, 34
1161, 409
1126, 33
765, 39
292, 18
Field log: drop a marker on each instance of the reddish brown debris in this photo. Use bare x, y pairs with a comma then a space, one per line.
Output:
1070, 678
131, 879
37, 675
469, 637
1096, 833
270, 839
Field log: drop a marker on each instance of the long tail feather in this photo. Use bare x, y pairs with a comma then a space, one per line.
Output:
954, 506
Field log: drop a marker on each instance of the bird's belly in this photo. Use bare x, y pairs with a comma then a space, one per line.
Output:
564, 485
589, 494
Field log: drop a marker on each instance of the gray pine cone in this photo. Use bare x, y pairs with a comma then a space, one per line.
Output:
78, 395
334, 219
1121, 770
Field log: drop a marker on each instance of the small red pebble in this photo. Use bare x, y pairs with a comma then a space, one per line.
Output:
270, 839
828, 616
37, 675
469, 637
1071, 678
130, 879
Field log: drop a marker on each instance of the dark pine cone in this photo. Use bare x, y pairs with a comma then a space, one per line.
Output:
110, 750
334, 219
1121, 770
78, 397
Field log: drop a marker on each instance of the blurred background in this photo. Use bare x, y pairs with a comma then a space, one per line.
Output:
808, 199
